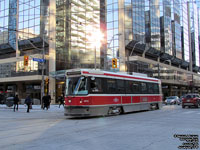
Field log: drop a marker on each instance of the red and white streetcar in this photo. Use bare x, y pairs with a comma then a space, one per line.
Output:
100, 93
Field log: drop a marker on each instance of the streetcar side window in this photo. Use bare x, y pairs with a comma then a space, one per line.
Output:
143, 88
120, 86
111, 86
156, 88
150, 88
96, 85
129, 87
135, 87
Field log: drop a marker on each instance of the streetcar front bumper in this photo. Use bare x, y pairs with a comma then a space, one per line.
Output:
77, 111
85, 111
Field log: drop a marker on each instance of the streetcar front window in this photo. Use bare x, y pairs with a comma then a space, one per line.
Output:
76, 86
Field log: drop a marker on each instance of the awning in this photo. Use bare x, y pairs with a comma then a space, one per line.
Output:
59, 75
139, 48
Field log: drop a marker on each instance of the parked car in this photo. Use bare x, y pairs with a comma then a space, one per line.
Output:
9, 101
191, 99
172, 100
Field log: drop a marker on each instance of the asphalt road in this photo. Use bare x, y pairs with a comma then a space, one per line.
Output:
148, 130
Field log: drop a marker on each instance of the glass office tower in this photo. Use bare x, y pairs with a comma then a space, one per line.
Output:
165, 27
176, 28
112, 21
78, 31
152, 23
194, 32
4, 17
185, 32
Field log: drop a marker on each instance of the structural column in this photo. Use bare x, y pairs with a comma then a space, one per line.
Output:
122, 55
52, 49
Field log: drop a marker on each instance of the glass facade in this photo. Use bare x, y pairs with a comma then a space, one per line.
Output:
128, 21
29, 19
61, 27
194, 33
134, 20
138, 8
28, 23
81, 34
166, 31
185, 32
4, 15
112, 19
176, 29
12, 23
152, 21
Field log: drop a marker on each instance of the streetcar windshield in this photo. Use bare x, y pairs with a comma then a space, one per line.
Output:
76, 86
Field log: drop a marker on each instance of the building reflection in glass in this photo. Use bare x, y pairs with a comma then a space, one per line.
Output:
4, 15
76, 22
185, 32
166, 34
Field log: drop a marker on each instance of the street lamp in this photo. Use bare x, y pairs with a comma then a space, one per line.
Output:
138, 42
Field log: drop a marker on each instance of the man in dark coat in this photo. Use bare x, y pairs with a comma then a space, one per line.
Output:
28, 102
16, 102
45, 100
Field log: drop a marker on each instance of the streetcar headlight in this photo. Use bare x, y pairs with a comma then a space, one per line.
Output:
80, 101
69, 101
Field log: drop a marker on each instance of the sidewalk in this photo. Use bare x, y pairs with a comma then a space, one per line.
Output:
53, 108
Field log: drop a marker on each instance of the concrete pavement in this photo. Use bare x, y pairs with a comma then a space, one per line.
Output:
46, 130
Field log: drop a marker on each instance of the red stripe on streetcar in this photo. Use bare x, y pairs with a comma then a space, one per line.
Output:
110, 100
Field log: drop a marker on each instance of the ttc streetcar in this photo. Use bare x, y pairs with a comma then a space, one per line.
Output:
100, 93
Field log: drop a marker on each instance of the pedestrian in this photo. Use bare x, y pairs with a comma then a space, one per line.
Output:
61, 100
28, 102
16, 102
45, 100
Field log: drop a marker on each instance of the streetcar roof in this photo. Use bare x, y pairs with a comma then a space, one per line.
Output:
107, 74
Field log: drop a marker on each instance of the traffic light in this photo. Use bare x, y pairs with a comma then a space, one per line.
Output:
26, 60
47, 80
114, 63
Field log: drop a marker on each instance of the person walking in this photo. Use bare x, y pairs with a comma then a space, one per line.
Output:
61, 100
28, 102
16, 102
45, 100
